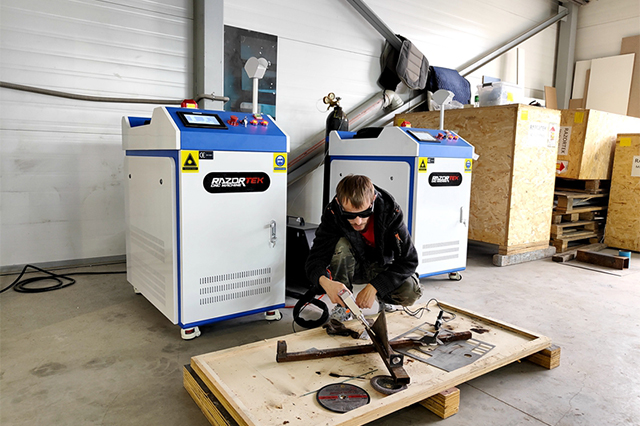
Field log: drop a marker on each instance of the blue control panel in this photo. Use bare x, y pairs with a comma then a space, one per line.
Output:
222, 130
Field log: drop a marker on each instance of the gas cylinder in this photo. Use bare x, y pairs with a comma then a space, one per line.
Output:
337, 119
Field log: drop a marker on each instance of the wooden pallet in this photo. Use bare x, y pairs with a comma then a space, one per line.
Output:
595, 186
567, 229
568, 243
246, 386
578, 202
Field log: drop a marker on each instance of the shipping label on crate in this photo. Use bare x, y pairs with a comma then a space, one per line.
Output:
561, 166
635, 167
539, 134
565, 138
553, 135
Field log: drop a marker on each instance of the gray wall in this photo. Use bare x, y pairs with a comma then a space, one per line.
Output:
61, 166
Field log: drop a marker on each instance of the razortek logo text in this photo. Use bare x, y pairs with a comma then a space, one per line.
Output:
236, 182
445, 179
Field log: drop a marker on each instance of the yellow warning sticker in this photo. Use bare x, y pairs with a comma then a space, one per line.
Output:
422, 164
280, 162
190, 161
625, 141
579, 117
468, 164
524, 115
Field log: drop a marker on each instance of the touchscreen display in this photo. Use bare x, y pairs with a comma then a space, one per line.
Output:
423, 136
206, 120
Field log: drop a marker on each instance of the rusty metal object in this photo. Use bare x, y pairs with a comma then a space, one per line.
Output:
336, 328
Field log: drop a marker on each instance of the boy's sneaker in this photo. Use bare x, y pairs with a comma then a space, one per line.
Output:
340, 313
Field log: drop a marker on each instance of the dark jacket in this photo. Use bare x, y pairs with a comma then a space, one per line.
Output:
394, 247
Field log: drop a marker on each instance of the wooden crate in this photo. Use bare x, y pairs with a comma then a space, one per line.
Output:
623, 220
513, 179
587, 142
246, 386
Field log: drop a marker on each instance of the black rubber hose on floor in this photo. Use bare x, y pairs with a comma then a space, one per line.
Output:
61, 280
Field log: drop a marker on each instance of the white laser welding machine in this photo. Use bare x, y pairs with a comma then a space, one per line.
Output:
206, 213
428, 172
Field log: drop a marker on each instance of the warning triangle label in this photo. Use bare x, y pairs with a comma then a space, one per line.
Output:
190, 161
422, 165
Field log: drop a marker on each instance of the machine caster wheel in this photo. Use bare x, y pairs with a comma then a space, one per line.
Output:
273, 315
190, 333
455, 276
136, 291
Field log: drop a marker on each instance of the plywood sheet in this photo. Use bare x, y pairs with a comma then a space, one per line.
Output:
610, 84
623, 220
533, 176
256, 390
632, 45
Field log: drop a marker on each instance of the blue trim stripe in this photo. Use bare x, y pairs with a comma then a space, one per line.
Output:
227, 317
441, 272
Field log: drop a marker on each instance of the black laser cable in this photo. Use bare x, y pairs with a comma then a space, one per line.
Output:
62, 280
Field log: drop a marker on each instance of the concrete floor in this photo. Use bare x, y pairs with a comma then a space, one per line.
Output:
97, 354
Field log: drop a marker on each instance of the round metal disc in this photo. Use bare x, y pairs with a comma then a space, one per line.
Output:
342, 397
386, 385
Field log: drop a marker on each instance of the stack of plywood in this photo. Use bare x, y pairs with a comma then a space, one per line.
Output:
623, 220
513, 179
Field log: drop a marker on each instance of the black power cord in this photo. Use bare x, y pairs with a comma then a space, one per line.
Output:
61, 280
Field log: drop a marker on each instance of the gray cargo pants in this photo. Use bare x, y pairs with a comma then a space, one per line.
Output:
344, 268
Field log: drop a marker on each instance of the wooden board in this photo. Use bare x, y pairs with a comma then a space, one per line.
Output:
576, 103
255, 390
623, 220
632, 45
550, 97
513, 179
602, 259
610, 84
580, 79
589, 154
